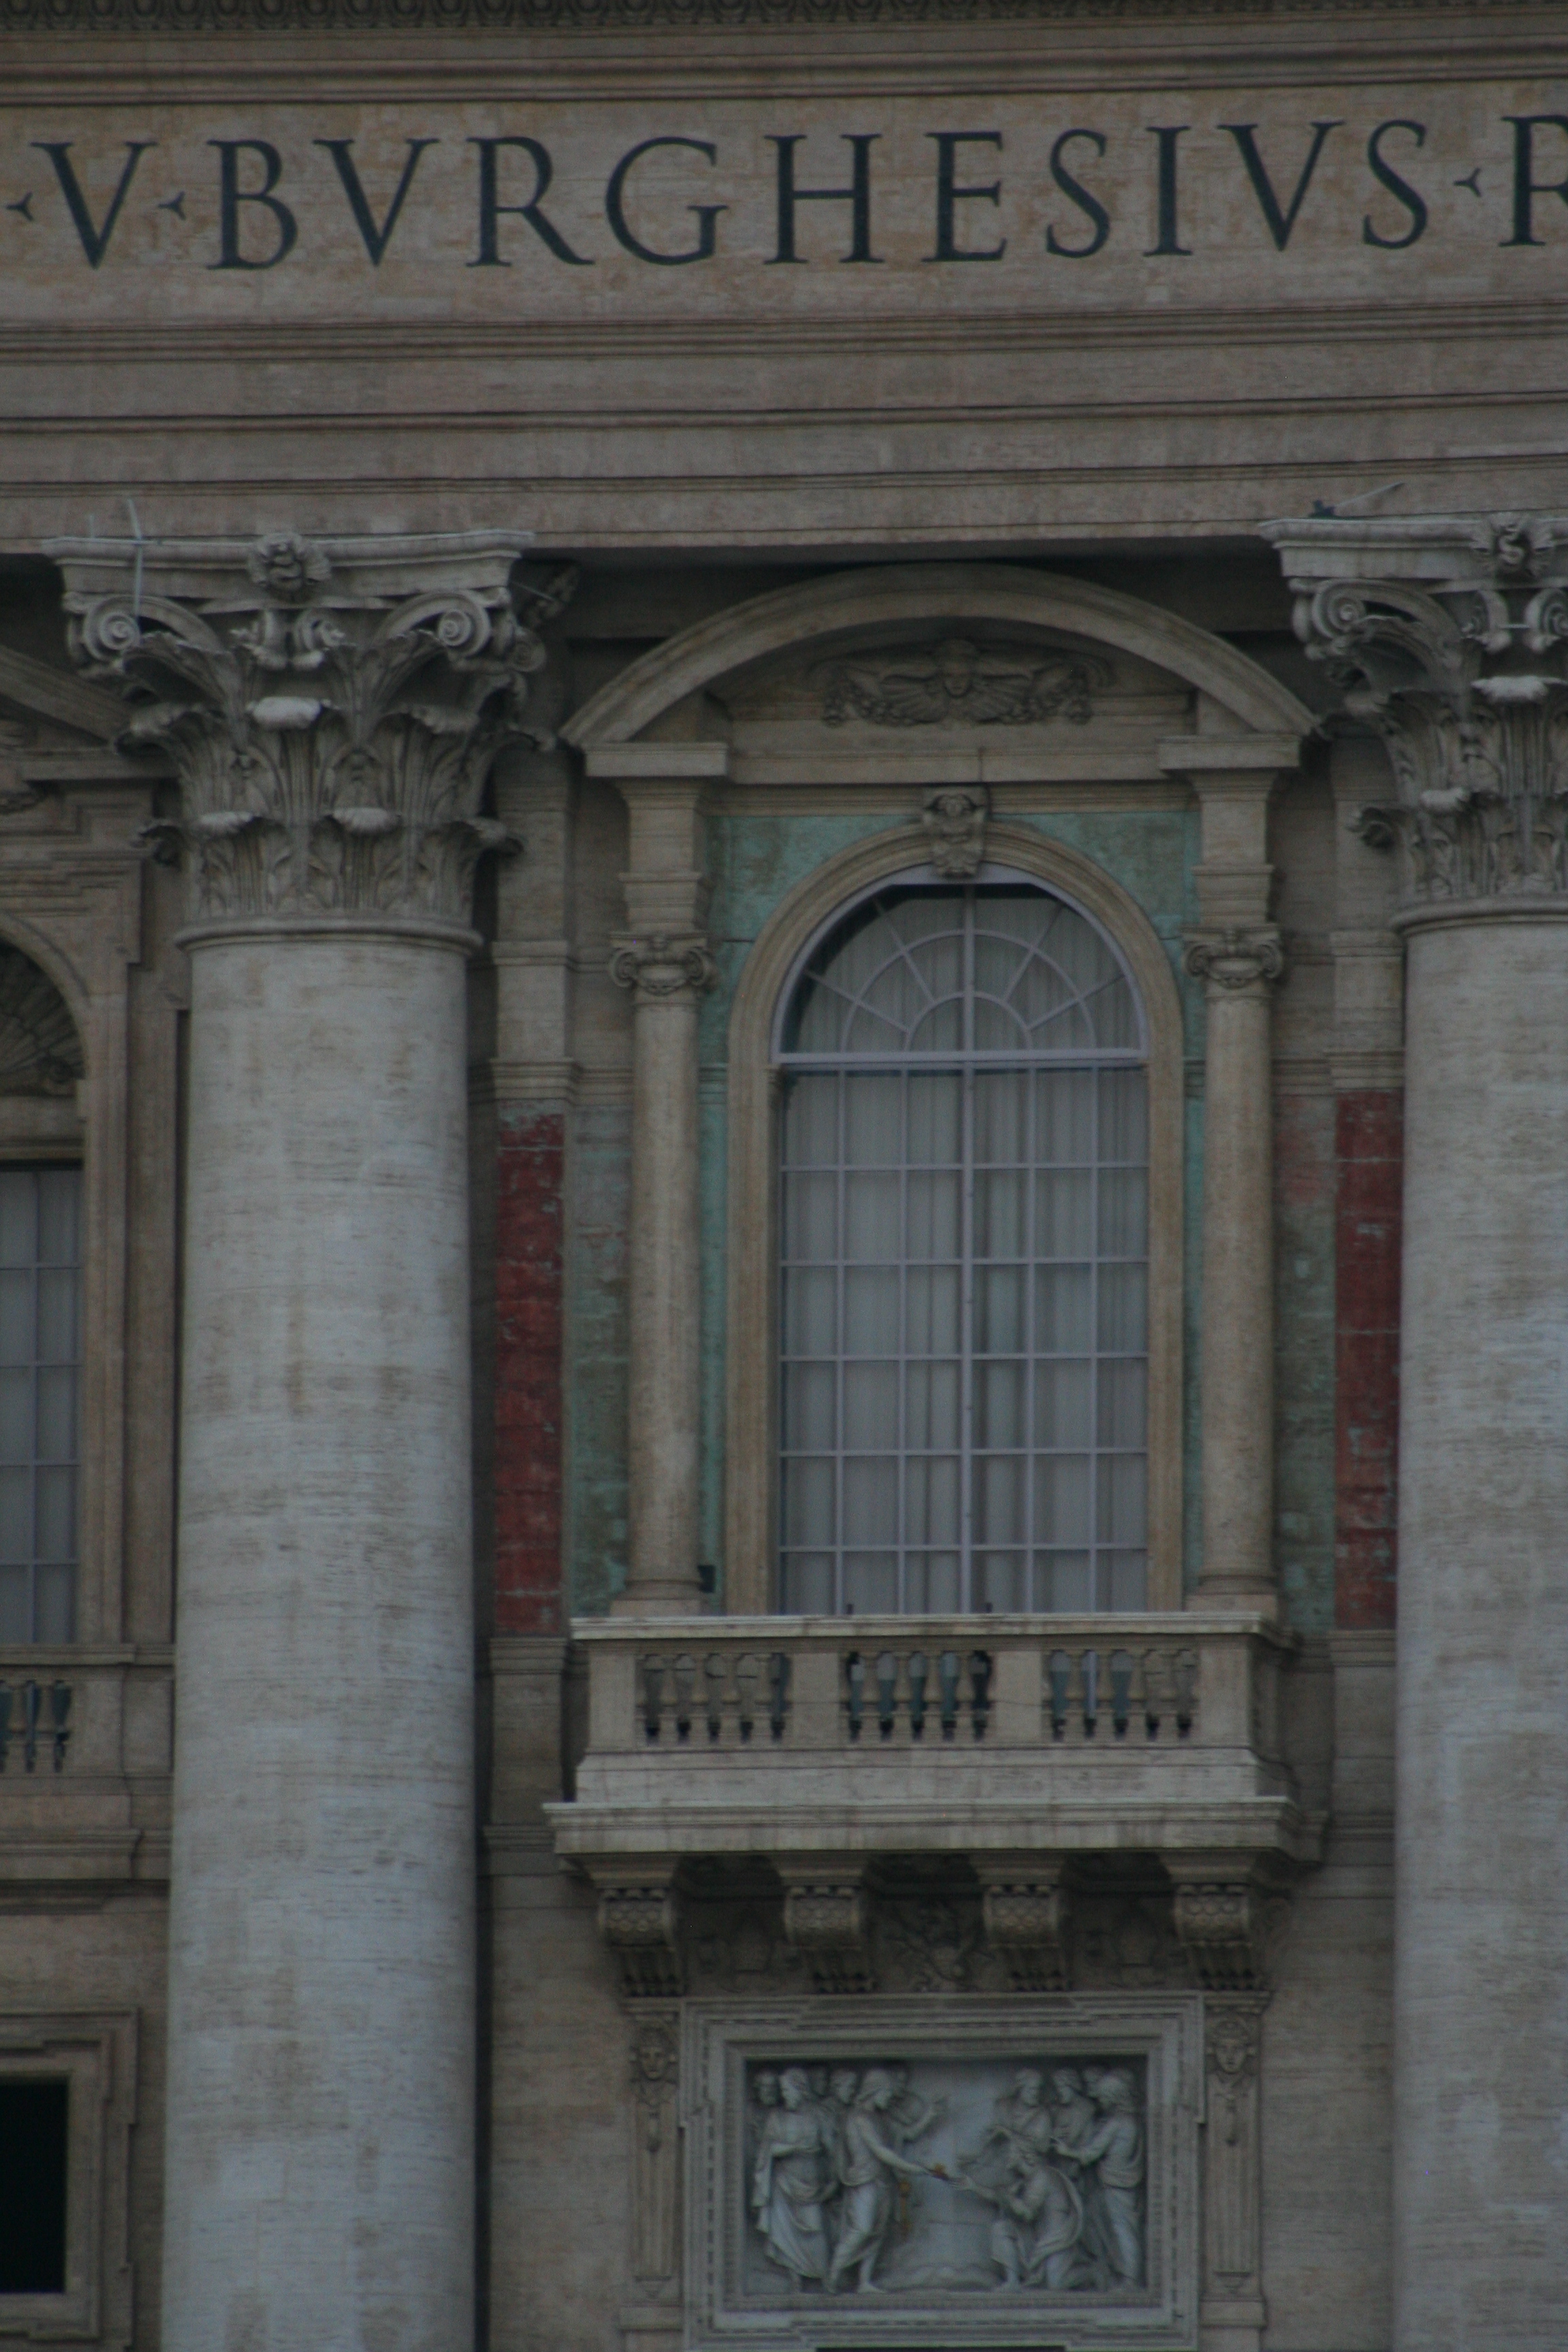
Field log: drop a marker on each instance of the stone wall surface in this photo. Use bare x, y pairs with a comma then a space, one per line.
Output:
724, 302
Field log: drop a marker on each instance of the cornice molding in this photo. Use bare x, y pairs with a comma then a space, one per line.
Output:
111, 17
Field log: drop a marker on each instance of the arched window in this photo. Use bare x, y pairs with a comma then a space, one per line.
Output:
40, 1316
964, 1220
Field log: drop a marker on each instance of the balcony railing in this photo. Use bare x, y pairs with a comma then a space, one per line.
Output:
708, 1735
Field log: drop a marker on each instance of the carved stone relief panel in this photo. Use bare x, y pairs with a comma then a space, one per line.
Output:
906, 2171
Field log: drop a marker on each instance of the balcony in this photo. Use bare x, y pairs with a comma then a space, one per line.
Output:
899, 1735
86, 1741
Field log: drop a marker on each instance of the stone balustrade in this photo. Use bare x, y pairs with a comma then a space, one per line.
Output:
941, 1685
707, 1735
36, 1717
86, 1738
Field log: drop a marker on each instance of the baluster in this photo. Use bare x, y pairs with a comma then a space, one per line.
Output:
855, 1670
748, 1675
886, 1693
1121, 1691
1059, 1669
653, 1695
917, 1670
715, 1673
980, 1690
59, 1708
1157, 1690
685, 1672
1185, 1667
1088, 1670
947, 1668
778, 1692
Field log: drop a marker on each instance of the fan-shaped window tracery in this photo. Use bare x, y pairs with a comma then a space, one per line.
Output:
964, 1217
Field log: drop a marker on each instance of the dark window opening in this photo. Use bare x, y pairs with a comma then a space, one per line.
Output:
32, 2139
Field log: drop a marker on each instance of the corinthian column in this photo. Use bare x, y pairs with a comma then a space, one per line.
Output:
665, 961
331, 710
1448, 636
1237, 956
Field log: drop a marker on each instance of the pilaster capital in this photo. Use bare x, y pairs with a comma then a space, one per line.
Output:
663, 965
1448, 636
1234, 961
331, 708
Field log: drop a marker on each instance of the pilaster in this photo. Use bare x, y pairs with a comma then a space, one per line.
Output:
665, 961
1236, 952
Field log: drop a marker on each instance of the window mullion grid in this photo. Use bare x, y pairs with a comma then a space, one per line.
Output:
1029, 1083
1099, 1597
966, 1271
901, 1371
36, 1382
840, 1333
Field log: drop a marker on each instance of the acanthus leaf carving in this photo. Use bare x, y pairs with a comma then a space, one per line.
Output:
331, 730
1448, 643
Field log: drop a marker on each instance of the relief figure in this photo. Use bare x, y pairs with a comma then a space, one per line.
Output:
870, 2163
1039, 2214
792, 2176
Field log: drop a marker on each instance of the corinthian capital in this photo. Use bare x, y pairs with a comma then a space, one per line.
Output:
1448, 636
330, 708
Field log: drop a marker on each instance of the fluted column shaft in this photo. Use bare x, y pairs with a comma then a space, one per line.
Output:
1451, 633
666, 963
331, 711
1237, 956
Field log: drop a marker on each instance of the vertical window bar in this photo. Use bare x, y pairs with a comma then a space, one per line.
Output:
840, 1335
966, 1271
902, 1369
1096, 1558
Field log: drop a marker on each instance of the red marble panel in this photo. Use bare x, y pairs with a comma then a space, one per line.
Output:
528, 1392
1369, 1154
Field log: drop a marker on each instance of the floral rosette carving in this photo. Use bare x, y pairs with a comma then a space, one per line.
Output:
332, 744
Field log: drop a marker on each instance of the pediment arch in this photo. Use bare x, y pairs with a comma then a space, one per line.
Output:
934, 602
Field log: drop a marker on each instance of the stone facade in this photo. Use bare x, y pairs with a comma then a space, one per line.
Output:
527, 527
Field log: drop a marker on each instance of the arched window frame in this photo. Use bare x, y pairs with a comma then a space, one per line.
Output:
795, 928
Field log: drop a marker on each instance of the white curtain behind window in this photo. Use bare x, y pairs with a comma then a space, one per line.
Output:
964, 1219
40, 1354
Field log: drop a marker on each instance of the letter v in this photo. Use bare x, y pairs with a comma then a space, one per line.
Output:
94, 241
1279, 223
376, 240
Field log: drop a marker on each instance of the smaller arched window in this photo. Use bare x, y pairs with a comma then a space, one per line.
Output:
40, 1322
963, 1216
